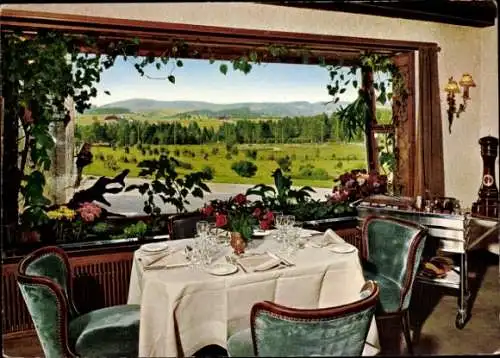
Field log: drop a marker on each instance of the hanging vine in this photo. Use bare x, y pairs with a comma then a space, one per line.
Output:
43, 70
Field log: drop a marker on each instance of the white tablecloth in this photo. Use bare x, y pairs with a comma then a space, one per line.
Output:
184, 309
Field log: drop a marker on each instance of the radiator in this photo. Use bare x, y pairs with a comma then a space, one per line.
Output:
98, 281
351, 236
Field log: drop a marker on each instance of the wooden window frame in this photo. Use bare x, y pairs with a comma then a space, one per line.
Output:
224, 43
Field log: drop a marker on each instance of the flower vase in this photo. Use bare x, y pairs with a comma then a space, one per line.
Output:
238, 243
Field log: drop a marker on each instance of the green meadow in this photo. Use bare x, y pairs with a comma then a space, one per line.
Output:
330, 159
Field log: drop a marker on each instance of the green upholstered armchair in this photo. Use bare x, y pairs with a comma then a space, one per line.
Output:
44, 279
391, 254
279, 331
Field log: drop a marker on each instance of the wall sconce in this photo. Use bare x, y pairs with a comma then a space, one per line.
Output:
453, 87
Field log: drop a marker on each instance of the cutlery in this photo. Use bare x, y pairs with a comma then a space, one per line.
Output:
156, 259
161, 267
235, 262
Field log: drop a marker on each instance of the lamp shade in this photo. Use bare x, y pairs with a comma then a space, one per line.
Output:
467, 81
452, 86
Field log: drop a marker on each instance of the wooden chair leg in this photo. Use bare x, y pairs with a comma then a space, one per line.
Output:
405, 320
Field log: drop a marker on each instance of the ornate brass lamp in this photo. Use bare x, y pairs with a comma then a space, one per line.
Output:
451, 89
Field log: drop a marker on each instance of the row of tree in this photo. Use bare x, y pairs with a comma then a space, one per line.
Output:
316, 129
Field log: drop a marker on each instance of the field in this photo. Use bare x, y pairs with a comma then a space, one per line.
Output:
334, 158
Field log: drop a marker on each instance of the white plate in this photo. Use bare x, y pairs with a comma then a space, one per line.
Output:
262, 232
154, 247
342, 248
222, 269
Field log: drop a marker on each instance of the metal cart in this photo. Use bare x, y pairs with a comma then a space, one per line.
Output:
452, 233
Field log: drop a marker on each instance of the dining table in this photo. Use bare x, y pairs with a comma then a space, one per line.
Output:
185, 308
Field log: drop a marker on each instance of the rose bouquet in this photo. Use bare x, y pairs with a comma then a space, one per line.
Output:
237, 214
358, 184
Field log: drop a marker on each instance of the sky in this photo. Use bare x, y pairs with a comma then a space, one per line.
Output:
198, 80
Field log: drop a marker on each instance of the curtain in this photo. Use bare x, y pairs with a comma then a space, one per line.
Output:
429, 166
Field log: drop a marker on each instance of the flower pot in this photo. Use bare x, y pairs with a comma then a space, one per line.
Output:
238, 243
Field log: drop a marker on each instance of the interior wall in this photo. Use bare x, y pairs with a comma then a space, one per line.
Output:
463, 49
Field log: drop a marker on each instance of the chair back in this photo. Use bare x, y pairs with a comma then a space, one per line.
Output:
279, 331
394, 247
183, 226
44, 278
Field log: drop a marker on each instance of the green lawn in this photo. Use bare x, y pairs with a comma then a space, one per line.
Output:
335, 158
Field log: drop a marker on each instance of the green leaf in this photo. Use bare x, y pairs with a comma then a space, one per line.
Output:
158, 65
355, 84
179, 63
171, 78
108, 93
223, 68
211, 60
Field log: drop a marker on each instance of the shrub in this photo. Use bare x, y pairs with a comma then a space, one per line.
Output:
351, 157
177, 152
185, 165
150, 152
244, 168
252, 154
319, 174
271, 157
139, 146
133, 159
111, 163
229, 156
100, 156
340, 164
215, 150
306, 157
305, 171
208, 171
234, 150
143, 151
334, 156
284, 163
205, 156
126, 150
156, 151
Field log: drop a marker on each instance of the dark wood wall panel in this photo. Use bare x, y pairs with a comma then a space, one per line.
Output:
98, 281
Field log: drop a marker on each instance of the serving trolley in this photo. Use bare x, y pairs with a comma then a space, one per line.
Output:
448, 233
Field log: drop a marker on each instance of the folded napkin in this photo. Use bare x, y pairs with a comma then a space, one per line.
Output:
269, 264
332, 237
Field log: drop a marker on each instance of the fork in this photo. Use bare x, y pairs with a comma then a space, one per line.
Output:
234, 262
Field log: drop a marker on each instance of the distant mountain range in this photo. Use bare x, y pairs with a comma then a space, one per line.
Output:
247, 109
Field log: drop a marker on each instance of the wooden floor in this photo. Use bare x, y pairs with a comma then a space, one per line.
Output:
438, 336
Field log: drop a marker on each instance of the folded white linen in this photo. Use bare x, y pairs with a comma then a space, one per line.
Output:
148, 258
269, 264
331, 237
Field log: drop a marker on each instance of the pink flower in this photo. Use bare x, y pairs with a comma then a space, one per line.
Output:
220, 220
89, 211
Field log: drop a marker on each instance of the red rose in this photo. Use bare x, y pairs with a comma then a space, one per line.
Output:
208, 210
220, 220
257, 213
265, 224
240, 199
269, 216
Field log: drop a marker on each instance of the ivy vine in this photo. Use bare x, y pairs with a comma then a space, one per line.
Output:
45, 69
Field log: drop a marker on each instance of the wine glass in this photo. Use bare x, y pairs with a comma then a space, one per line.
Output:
202, 227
